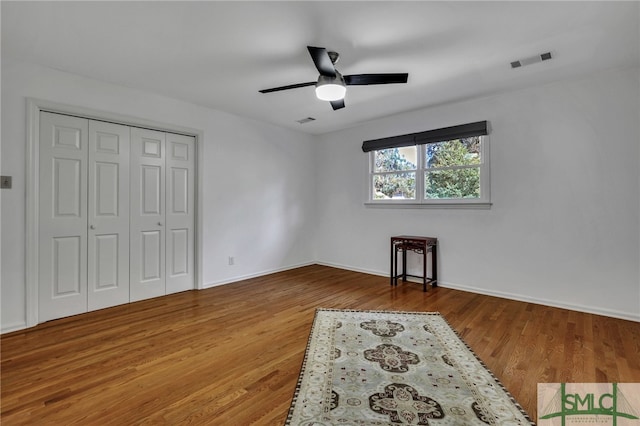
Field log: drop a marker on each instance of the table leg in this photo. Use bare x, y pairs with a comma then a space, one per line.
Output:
395, 265
404, 264
391, 274
434, 266
424, 268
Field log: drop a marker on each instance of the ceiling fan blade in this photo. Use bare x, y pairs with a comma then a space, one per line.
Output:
291, 86
337, 104
322, 61
364, 79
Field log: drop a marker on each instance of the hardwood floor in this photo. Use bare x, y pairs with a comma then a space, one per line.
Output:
231, 354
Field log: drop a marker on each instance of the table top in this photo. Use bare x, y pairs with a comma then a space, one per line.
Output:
429, 240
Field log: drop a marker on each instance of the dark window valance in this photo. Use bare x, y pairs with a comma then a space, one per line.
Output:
430, 136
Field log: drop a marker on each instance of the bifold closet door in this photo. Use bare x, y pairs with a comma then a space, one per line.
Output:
116, 214
180, 212
84, 215
147, 230
108, 215
62, 221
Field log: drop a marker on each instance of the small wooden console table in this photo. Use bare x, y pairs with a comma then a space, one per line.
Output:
420, 245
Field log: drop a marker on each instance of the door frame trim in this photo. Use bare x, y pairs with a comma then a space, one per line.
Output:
34, 107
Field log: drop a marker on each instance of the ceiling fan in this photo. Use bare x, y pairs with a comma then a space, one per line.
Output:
331, 85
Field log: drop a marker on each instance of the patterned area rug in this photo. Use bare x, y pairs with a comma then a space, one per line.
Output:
389, 368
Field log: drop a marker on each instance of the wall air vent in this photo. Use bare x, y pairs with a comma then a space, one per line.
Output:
531, 60
305, 120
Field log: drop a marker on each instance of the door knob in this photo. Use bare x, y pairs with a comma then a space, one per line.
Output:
92, 227
159, 223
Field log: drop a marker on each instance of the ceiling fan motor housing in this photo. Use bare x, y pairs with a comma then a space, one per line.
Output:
331, 88
325, 79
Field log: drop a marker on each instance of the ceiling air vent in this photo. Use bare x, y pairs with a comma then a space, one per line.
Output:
531, 60
305, 120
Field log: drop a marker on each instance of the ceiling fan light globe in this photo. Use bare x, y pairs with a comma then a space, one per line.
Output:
330, 91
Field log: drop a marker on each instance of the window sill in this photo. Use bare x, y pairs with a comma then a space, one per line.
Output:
477, 205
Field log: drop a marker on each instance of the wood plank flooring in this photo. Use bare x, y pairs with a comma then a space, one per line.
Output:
232, 354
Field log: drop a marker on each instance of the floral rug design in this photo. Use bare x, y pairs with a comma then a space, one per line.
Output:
392, 368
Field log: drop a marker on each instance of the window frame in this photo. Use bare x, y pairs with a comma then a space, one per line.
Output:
416, 172
484, 201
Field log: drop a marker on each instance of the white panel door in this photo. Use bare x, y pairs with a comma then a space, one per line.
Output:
147, 236
62, 224
180, 212
108, 213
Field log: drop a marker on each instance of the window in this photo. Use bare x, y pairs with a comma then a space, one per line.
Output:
394, 173
449, 172
452, 169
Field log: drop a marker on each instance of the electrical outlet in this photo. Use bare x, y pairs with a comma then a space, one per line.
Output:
231, 260
5, 182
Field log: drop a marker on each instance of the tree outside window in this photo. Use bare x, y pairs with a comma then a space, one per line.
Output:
396, 177
453, 169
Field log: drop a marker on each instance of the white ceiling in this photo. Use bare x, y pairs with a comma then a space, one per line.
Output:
219, 54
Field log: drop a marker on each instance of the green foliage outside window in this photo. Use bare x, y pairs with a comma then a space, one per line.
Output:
399, 185
456, 182
451, 170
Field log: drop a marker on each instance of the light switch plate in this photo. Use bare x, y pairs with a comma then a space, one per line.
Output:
5, 182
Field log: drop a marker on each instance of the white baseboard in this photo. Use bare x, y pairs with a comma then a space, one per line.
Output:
511, 296
15, 326
354, 269
255, 275
570, 306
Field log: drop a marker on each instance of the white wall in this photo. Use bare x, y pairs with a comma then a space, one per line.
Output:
564, 228
258, 179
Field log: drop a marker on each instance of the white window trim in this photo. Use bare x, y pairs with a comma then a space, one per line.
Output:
484, 202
